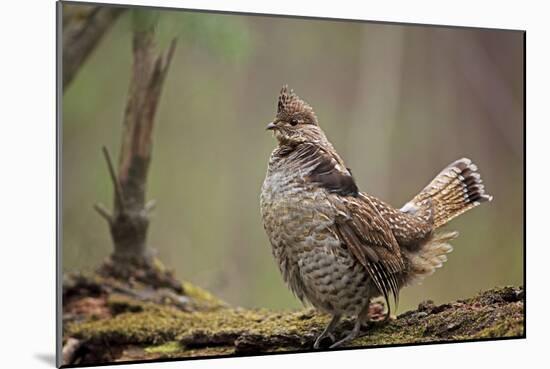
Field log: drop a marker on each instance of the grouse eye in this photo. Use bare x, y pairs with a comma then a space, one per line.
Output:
293, 122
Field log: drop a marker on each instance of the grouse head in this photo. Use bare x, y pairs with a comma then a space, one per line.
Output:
295, 121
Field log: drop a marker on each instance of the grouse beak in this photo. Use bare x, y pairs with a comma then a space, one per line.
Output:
271, 126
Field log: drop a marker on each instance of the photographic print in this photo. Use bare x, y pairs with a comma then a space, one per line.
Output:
237, 184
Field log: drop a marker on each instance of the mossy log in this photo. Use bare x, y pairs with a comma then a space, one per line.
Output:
127, 328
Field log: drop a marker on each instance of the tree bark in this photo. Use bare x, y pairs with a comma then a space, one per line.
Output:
83, 28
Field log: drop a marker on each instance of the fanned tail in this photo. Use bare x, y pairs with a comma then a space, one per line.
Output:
457, 189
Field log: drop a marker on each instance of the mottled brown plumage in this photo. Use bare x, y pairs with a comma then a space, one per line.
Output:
337, 247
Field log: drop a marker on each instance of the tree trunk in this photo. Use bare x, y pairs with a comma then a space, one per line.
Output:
83, 28
129, 230
130, 219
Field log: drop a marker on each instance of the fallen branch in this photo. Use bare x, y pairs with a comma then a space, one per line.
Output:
152, 331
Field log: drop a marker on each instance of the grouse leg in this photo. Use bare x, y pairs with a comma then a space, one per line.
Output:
362, 318
328, 331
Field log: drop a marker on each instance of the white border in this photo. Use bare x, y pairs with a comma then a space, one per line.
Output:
28, 180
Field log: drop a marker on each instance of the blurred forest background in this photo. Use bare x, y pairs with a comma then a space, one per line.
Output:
398, 102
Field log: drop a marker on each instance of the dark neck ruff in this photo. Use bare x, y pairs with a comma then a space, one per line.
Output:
320, 166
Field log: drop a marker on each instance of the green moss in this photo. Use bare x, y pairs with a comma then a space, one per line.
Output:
118, 303
494, 313
504, 329
169, 347
202, 299
165, 331
159, 265
202, 351
152, 325
390, 335
507, 322
158, 324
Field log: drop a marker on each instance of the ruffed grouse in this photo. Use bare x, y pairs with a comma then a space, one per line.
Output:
337, 247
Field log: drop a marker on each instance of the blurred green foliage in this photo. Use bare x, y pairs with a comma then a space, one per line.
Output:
398, 102
144, 19
218, 33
